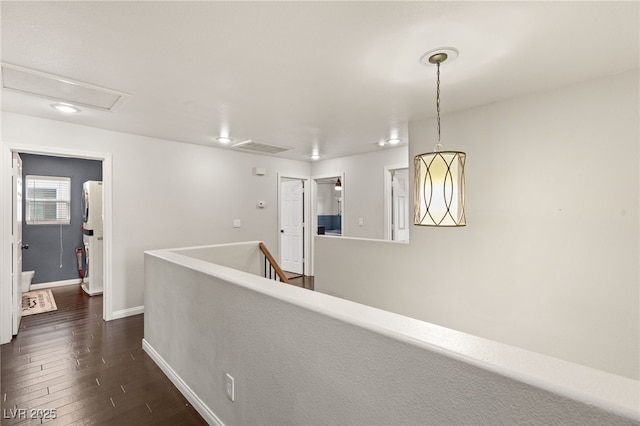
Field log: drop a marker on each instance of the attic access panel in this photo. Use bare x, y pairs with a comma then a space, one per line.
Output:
49, 86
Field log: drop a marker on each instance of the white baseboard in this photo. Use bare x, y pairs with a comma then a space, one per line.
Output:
208, 415
41, 286
128, 312
89, 292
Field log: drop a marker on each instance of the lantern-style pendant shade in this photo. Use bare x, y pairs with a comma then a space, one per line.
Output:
439, 189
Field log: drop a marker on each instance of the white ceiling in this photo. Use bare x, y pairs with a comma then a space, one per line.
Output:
335, 76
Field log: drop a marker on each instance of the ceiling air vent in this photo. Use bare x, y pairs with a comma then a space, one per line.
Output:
260, 147
49, 86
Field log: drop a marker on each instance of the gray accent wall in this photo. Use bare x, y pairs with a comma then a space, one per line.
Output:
43, 255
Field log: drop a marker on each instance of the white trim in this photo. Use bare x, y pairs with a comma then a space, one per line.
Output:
387, 183
89, 292
202, 408
107, 231
306, 218
53, 284
6, 236
129, 312
6, 222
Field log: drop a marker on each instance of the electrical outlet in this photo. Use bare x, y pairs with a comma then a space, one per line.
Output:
236, 223
229, 387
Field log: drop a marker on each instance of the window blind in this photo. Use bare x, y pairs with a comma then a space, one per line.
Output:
48, 200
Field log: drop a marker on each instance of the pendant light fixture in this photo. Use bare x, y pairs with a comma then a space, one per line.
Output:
439, 175
338, 186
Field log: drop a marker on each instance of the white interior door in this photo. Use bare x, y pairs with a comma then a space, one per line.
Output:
16, 242
291, 225
400, 205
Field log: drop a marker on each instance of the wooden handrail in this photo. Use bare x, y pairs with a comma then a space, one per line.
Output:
273, 263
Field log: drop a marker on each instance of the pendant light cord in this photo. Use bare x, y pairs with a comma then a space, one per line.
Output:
438, 147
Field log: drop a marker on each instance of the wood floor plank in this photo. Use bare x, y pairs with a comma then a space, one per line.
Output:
303, 281
89, 371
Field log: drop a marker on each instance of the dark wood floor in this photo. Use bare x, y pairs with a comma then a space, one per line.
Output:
303, 281
84, 370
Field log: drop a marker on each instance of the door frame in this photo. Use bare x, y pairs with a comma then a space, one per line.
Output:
314, 210
16, 243
306, 231
388, 199
6, 223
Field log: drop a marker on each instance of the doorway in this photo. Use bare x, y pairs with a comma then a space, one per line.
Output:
292, 225
327, 207
293, 232
9, 287
396, 203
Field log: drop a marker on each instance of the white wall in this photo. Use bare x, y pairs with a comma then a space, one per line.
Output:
549, 259
167, 194
304, 358
327, 201
363, 187
243, 256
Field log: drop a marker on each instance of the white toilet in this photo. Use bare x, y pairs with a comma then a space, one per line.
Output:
27, 276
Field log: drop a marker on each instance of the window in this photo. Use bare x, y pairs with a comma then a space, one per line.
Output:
48, 200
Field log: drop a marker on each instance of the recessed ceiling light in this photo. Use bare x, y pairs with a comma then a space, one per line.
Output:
223, 139
381, 143
315, 156
393, 141
66, 108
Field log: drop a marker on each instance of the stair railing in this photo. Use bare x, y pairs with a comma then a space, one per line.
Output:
270, 265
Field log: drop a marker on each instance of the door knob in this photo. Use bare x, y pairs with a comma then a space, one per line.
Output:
282, 231
25, 247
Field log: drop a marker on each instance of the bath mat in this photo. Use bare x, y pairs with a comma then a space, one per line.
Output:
37, 302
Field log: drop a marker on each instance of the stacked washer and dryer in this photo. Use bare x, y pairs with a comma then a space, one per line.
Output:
92, 238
